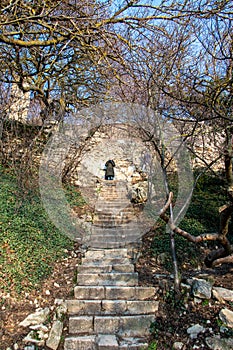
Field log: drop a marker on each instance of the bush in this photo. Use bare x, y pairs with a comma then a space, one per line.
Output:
201, 217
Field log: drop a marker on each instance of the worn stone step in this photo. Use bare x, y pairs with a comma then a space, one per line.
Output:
107, 261
80, 343
129, 293
108, 279
118, 243
106, 253
112, 292
104, 342
97, 268
114, 218
131, 229
125, 326
114, 206
115, 236
133, 344
111, 244
112, 222
106, 215
107, 342
111, 307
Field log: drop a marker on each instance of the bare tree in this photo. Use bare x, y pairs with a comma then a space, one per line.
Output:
184, 72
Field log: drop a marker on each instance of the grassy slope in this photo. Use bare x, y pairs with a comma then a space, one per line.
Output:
29, 242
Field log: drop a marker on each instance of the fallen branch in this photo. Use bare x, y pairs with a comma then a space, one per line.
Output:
226, 260
179, 231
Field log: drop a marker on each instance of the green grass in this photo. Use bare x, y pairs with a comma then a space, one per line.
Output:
29, 242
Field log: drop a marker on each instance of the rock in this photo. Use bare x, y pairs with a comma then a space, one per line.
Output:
195, 330
55, 335
222, 294
32, 337
30, 347
16, 346
216, 343
61, 310
224, 329
35, 318
197, 300
226, 316
201, 289
178, 345
39, 327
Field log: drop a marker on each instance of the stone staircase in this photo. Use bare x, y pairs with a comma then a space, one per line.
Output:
116, 223
109, 309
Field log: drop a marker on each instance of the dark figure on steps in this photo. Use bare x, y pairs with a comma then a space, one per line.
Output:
109, 170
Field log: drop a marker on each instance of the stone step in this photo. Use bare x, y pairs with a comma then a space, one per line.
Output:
132, 229
124, 326
106, 253
112, 292
111, 307
108, 279
104, 342
108, 244
97, 268
107, 342
114, 236
80, 343
133, 344
107, 261
115, 244
118, 218
112, 222
117, 205
124, 211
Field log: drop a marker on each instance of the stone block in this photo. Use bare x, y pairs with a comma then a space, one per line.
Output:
120, 292
81, 343
106, 253
142, 307
84, 307
107, 342
80, 324
133, 344
94, 268
89, 292
106, 324
123, 268
131, 326
108, 279
55, 335
143, 293
94, 254
107, 261
114, 307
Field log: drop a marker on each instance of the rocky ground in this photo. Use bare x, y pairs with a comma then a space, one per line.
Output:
175, 315
178, 314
